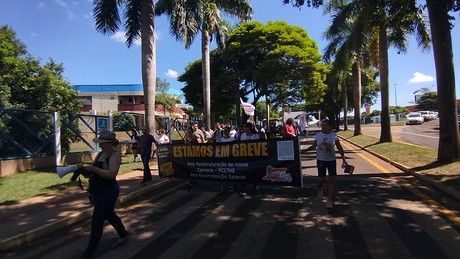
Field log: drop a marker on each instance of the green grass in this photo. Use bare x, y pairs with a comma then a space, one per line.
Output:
406, 154
419, 159
29, 184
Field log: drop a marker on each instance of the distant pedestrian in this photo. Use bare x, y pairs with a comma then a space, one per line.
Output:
146, 140
325, 143
134, 146
104, 191
289, 130
163, 139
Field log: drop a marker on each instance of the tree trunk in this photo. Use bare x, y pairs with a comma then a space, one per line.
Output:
148, 61
385, 130
449, 146
206, 77
345, 104
356, 72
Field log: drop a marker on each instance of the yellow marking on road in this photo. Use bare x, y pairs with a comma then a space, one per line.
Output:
382, 169
434, 205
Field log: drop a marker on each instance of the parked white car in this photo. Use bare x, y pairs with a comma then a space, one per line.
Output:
426, 115
415, 118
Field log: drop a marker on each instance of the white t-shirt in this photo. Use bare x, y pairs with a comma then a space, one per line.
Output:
325, 151
163, 139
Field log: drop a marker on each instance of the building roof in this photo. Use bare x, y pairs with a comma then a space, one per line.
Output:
109, 88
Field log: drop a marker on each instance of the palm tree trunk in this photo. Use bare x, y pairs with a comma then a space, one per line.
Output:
385, 131
449, 144
345, 104
206, 77
148, 61
356, 72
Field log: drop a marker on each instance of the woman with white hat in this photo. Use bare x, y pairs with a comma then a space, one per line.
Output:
104, 190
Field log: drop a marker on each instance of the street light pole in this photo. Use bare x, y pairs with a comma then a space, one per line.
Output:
396, 96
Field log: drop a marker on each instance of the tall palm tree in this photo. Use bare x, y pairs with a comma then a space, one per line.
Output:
189, 17
348, 46
139, 22
391, 22
449, 143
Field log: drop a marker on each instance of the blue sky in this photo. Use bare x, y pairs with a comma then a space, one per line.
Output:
64, 31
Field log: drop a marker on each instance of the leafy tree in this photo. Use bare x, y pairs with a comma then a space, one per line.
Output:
390, 22
222, 85
278, 61
428, 100
440, 18
162, 86
188, 18
398, 110
375, 113
28, 85
139, 22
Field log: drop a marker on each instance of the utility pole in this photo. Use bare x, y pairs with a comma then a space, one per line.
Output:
396, 96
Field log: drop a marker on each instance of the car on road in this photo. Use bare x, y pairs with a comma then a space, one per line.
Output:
415, 118
426, 115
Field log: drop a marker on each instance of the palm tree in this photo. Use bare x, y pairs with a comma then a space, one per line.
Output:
348, 46
139, 22
449, 143
390, 22
189, 17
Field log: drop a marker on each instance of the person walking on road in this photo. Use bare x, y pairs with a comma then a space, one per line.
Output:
145, 149
104, 191
325, 143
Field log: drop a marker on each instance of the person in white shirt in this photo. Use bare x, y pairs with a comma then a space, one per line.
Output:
325, 143
162, 137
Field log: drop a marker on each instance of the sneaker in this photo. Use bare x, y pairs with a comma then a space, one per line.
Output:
329, 204
242, 193
120, 241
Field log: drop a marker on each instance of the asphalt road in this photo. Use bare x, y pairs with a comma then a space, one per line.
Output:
426, 134
379, 212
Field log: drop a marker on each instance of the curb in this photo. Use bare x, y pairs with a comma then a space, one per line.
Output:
446, 189
34, 234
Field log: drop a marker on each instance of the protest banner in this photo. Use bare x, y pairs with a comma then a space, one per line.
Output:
273, 161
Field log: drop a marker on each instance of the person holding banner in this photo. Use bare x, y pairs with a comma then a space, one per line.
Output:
249, 133
325, 143
104, 191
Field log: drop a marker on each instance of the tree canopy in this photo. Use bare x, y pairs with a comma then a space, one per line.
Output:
278, 61
26, 84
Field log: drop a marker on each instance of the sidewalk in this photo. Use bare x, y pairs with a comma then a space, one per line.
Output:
33, 218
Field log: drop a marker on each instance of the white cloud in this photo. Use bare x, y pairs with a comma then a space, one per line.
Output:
40, 5
121, 37
420, 78
172, 73
61, 3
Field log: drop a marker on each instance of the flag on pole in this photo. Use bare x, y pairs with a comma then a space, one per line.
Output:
248, 108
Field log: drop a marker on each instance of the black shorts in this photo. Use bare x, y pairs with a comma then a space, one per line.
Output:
331, 167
